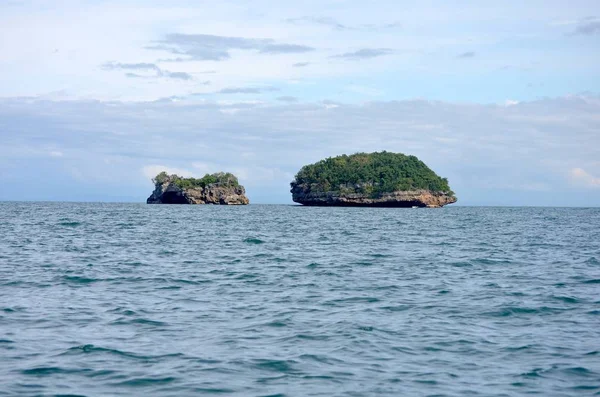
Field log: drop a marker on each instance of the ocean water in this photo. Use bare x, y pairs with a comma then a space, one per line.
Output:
133, 299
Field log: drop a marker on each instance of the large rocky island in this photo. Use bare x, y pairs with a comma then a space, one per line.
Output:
380, 179
220, 188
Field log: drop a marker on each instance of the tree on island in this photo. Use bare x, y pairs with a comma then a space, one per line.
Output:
219, 178
220, 188
371, 174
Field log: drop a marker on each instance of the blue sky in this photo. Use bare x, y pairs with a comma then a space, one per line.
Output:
500, 97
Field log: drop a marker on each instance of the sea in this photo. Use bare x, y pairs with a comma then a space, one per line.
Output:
105, 299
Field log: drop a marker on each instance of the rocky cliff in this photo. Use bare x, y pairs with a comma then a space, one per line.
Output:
381, 179
220, 188
410, 198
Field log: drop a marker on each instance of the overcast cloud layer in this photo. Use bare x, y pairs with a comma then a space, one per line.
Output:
501, 98
536, 153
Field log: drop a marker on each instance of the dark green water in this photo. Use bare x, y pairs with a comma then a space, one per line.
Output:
128, 299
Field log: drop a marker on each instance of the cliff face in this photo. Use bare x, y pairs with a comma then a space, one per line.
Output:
410, 198
169, 190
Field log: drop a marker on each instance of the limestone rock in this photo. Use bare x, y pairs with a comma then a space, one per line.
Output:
409, 198
172, 189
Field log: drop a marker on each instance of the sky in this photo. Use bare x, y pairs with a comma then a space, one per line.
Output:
98, 96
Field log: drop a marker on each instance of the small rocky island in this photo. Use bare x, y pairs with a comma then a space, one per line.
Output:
380, 179
220, 188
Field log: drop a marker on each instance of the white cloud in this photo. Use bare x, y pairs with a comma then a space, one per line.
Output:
202, 168
55, 153
581, 177
41, 54
150, 171
261, 176
249, 175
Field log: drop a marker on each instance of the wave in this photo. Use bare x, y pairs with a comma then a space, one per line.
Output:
253, 241
70, 224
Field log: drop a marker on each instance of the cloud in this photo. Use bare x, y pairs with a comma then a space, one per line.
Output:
150, 171
204, 47
327, 21
365, 53
468, 54
581, 177
588, 27
207, 47
334, 24
172, 98
203, 168
329, 104
177, 75
392, 25
247, 90
131, 66
288, 99
151, 67
55, 153
301, 64
285, 49
527, 148
136, 76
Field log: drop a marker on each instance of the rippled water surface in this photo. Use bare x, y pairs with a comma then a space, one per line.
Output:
131, 299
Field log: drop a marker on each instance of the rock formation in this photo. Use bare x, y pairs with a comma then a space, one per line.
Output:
408, 198
371, 180
220, 188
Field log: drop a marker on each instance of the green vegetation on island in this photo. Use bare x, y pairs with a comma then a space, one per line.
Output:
220, 188
370, 174
221, 178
